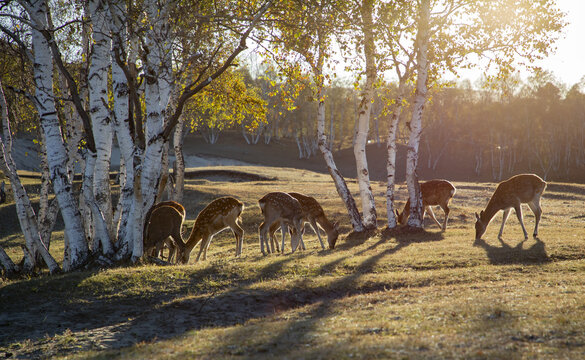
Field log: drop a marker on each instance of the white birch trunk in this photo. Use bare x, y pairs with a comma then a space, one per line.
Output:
137, 210
340, 184
179, 165
6, 262
121, 123
24, 210
151, 163
101, 238
391, 160
77, 251
363, 121
415, 219
99, 112
48, 210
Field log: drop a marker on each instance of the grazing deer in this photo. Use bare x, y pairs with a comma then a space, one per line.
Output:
282, 209
313, 214
512, 193
164, 222
434, 192
219, 215
170, 244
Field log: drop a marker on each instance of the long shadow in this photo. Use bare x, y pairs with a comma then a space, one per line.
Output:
348, 286
130, 319
506, 254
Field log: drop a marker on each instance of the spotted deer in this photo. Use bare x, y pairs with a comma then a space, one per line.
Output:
284, 210
164, 224
313, 214
512, 193
434, 192
167, 242
218, 215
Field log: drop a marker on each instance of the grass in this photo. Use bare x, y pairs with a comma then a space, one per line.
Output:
427, 295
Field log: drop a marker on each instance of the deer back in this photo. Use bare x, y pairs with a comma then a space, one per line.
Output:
216, 216
437, 192
521, 188
164, 221
309, 205
180, 208
276, 205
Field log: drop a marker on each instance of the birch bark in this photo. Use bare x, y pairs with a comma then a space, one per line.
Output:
391, 159
24, 211
363, 122
76, 251
340, 184
99, 112
179, 165
121, 123
415, 219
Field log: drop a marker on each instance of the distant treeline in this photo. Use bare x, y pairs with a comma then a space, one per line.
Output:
469, 134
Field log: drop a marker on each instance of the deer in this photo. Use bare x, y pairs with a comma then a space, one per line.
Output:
512, 193
170, 244
434, 192
164, 222
314, 215
220, 214
282, 209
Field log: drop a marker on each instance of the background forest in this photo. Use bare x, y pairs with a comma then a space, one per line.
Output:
472, 132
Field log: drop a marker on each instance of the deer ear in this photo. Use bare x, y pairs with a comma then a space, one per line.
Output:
476, 216
397, 213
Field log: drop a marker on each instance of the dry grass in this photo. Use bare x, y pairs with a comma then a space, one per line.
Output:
427, 295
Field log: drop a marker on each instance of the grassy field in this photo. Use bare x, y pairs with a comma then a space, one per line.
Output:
427, 295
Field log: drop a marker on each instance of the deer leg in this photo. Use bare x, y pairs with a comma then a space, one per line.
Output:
447, 211
432, 215
273, 243
535, 207
296, 237
207, 247
506, 214
203, 248
316, 230
518, 209
262, 230
302, 243
239, 234
283, 229
158, 247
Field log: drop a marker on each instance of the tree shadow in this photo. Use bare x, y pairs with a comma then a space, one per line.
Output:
133, 318
506, 254
356, 238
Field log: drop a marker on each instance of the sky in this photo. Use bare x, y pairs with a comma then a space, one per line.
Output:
568, 62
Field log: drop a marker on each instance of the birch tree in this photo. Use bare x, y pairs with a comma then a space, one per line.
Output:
366, 11
141, 136
462, 34
305, 35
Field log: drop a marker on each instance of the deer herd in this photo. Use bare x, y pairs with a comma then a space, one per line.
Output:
290, 211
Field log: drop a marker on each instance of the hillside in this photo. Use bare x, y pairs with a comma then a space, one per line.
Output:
452, 165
